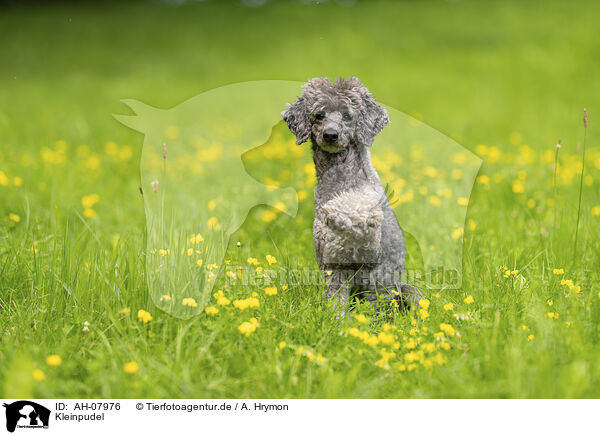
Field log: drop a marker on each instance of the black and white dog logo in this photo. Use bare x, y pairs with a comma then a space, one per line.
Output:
26, 414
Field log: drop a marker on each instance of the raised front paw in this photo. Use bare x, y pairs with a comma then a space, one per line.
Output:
339, 223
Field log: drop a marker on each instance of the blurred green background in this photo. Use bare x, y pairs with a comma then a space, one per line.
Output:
475, 71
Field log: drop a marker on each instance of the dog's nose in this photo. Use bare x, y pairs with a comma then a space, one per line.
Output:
330, 135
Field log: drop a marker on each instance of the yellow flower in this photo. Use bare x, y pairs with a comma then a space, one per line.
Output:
518, 186
144, 316
385, 338
253, 261
14, 217
284, 287
596, 210
189, 302
53, 360
463, 201
410, 344
445, 345
242, 304
89, 213
92, 162
449, 306
199, 263
550, 303
483, 179
423, 314
361, 318
515, 138
88, 201
131, 367
211, 310
247, 328
371, 341
213, 223
428, 347
18, 181
558, 271
195, 239
38, 375
222, 300
271, 291
165, 298
447, 328
125, 311
269, 216
469, 300
524, 328
411, 356
282, 344
530, 337
171, 132
190, 252
424, 303
3, 179
271, 260
457, 233
435, 201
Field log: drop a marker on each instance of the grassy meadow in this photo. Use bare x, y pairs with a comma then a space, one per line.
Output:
506, 80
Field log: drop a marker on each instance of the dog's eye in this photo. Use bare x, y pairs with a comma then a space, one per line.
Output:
346, 116
320, 116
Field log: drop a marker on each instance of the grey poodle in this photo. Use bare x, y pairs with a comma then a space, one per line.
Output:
358, 242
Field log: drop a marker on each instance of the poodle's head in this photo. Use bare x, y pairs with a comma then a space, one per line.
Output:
335, 115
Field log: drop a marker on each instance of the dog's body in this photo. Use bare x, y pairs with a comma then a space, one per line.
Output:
358, 242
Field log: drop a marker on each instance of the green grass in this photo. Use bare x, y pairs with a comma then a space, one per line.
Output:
477, 72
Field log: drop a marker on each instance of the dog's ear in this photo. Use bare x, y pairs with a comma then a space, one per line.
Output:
298, 121
372, 118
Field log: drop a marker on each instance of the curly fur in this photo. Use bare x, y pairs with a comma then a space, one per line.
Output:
358, 242
350, 225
